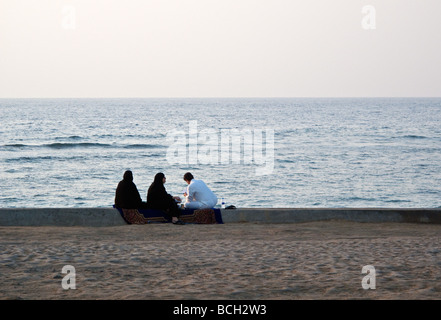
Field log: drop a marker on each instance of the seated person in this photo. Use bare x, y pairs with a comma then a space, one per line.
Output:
127, 195
159, 199
198, 195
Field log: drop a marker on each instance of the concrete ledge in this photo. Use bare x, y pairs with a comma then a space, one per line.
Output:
92, 217
292, 215
103, 217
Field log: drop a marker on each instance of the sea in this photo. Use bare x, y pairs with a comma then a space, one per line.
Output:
252, 152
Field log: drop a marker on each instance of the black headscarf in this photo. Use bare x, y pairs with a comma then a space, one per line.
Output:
128, 176
158, 183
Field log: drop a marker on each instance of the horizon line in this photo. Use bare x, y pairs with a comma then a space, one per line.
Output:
241, 97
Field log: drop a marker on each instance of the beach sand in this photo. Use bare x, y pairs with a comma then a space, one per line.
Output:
313, 260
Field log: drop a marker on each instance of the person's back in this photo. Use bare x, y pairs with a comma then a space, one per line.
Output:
127, 195
199, 196
201, 192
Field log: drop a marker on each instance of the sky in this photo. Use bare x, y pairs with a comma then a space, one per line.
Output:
220, 48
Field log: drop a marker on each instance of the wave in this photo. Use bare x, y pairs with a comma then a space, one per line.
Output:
287, 161
362, 199
130, 135
68, 145
28, 159
69, 138
143, 146
396, 201
39, 159
411, 136
15, 145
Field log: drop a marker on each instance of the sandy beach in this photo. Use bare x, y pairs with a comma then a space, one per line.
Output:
313, 260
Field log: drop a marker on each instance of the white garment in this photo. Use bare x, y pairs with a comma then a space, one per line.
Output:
199, 196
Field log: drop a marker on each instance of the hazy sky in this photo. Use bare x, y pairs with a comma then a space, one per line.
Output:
219, 48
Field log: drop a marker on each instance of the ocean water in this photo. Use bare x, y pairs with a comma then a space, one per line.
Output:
311, 152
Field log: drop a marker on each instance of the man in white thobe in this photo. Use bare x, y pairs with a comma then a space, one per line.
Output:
198, 195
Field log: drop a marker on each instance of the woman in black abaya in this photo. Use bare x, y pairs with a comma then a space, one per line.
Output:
127, 195
158, 198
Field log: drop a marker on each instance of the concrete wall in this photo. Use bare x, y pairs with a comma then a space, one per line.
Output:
290, 215
95, 217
